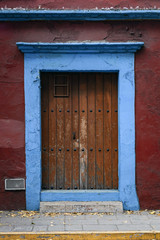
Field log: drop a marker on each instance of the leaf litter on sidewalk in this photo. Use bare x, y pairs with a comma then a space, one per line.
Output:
31, 214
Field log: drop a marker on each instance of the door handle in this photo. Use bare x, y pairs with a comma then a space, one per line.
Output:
74, 135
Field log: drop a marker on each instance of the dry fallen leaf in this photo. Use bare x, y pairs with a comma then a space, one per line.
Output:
28, 213
129, 212
51, 214
13, 215
152, 212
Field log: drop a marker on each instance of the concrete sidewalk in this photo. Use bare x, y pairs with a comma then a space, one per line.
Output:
24, 221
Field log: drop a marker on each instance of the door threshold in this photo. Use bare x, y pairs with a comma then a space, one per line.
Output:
82, 207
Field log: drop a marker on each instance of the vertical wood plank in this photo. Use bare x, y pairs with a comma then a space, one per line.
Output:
45, 127
75, 129
91, 130
107, 132
83, 130
115, 130
68, 138
52, 134
60, 143
99, 131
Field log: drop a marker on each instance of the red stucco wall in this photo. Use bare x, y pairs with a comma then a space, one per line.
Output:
72, 4
147, 69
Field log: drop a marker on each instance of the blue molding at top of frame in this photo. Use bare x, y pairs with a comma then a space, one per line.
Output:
78, 47
78, 15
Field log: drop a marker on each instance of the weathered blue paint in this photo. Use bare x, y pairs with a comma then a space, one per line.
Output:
80, 195
32, 137
123, 63
78, 15
77, 47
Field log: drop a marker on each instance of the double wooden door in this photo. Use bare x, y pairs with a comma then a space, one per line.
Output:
79, 118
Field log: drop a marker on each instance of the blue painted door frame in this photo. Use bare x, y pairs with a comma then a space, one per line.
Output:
97, 57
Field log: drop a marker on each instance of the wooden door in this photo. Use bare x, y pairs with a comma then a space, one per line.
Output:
79, 118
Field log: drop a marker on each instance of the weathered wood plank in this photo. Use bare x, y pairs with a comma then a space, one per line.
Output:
115, 130
99, 131
107, 132
75, 130
91, 130
60, 143
83, 130
52, 134
68, 138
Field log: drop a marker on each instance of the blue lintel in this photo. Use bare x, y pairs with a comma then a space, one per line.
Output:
80, 47
78, 15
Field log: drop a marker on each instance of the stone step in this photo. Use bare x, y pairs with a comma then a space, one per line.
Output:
81, 207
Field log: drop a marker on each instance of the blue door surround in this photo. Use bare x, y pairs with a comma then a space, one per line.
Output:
86, 57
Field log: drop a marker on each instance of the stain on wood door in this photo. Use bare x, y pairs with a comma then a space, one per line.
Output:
79, 118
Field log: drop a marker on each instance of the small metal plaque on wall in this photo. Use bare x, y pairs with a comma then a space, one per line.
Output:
15, 184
